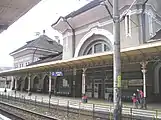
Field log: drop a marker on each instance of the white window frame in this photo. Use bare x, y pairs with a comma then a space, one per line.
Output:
128, 26
150, 22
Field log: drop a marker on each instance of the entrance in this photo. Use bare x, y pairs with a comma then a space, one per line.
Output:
98, 93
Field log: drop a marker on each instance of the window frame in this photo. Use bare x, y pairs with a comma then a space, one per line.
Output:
128, 26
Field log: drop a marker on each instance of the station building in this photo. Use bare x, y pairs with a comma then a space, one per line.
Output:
86, 60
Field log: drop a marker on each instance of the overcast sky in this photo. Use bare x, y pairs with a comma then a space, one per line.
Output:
39, 18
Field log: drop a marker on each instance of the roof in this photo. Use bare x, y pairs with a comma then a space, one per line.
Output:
12, 10
141, 50
42, 42
83, 9
157, 36
5, 68
49, 58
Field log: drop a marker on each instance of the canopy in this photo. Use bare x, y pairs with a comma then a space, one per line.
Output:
141, 51
12, 10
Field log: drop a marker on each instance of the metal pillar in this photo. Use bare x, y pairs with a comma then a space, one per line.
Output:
29, 85
15, 86
12, 83
5, 90
84, 81
55, 85
116, 62
144, 70
73, 84
49, 85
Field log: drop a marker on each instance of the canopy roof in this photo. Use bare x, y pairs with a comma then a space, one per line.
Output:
141, 50
12, 10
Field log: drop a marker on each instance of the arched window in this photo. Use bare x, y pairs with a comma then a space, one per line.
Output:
95, 44
97, 48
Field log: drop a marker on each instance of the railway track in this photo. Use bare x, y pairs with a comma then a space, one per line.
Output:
96, 111
17, 113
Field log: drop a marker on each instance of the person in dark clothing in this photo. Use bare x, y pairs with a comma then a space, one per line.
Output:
140, 97
110, 97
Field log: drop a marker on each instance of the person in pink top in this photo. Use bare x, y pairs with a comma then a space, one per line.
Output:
135, 101
141, 97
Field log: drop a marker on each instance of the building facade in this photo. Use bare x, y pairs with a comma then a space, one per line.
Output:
39, 50
88, 32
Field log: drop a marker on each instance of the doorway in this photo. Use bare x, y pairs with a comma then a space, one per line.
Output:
98, 86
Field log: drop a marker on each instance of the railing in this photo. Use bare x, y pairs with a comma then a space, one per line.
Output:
93, 110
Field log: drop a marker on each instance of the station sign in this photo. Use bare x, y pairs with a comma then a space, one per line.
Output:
57, 74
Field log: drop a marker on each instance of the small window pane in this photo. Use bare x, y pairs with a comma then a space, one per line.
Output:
106, 48
98, 48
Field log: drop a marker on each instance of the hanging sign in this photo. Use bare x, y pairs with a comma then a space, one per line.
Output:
57, 74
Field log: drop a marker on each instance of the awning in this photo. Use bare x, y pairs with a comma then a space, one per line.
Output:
146, 49
12, 10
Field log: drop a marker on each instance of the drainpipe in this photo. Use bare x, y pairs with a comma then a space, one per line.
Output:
143, 21
73, 35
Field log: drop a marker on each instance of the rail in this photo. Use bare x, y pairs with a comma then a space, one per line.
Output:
94, 110
15, 111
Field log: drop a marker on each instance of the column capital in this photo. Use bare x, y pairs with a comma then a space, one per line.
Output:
29, 74
50, 73
84, 70
144, 64
144, 71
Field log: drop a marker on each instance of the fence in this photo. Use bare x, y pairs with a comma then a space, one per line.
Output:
103, 112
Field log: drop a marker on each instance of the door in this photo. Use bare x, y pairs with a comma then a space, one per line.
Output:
95, 90
99, 90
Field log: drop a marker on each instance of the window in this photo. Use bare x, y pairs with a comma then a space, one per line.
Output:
150, 25
150, 22
98, 48
106, 48
128, 25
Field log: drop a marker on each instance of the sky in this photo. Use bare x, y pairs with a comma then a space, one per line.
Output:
37, 19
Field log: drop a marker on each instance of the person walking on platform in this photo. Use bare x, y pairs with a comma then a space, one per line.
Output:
141, 97
135, 101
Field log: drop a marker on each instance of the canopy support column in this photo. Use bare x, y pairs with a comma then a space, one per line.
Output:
50, 85
74, 81
144, 70
15, 86
29, 84
84, 81
12, 83
55, 78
